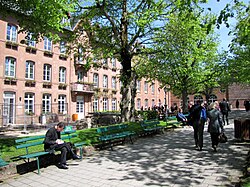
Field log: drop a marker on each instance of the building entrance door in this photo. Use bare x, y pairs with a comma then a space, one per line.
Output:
8, 108
80, 107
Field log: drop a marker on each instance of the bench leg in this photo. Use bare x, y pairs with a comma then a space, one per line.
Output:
110, 145
81, 154
38, 165
130, 137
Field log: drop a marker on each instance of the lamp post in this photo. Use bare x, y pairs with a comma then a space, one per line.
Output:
165, 98
165, 104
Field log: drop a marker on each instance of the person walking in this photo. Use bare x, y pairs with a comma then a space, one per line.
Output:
224, 108
53, 142
215, 125
237, 104
194, 120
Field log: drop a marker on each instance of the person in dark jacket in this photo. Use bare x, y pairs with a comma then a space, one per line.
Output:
224, 108
53, 142
215, 125
194, 120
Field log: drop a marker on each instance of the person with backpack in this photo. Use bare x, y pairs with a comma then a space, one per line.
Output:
197, 123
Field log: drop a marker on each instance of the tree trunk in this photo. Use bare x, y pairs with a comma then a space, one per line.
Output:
185, 101
128, 89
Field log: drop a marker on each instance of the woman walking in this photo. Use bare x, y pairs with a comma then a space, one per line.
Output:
215, 124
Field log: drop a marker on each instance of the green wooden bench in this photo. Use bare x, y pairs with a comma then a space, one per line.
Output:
152, 126
3, 163
172, 120
29, 142
110, 133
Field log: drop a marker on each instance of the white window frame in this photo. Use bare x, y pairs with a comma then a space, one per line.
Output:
113, 62
95, 104
105, 81
29, 70
138, 103
10, 67
62, 103
47, 44
80, 76
62, 75
138, 86
113, 106
62, 47
30, 41
47, 70
96, 80
80, 55
113, 81
11, 33
146, 103
105, 61
46, 103
29, 102
105, 104
153, 88
145, 87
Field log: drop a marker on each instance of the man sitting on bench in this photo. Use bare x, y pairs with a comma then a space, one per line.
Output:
180, 117
53, 142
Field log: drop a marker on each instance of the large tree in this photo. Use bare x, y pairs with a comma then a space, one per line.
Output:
239, 62
186, 54
124, 28
116, 28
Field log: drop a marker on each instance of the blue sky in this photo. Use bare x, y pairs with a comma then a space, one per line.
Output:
223, 31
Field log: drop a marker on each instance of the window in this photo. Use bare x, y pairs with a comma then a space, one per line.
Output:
95, 105
153, 88
62, 75
212, 98
62, 104
29, 102
80, 54
12, 33
30, 41
153, 103
114, 104
29, 70
120, 84
105, 81
105, 104
105, 62
62, 47
138, 86
138, 104
113, 83
10, 67
96, 80
47, 72
47, 44
113, 62
198, 98
46, 103
146, 104
145, 87
79, 76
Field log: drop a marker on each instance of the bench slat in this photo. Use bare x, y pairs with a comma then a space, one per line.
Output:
29, 144
34, 155
29, 139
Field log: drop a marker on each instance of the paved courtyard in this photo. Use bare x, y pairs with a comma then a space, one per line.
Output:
162, 160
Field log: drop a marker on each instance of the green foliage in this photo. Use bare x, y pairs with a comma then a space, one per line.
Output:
38, 16
148, 114
185, 54
239, 63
